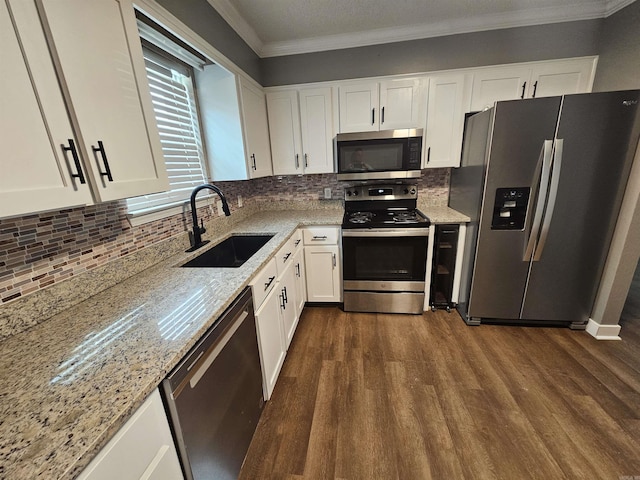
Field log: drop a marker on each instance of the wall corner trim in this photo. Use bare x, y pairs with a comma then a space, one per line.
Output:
603, 332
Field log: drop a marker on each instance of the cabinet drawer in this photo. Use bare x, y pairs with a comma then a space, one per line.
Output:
263, 283
284, 257
321, 235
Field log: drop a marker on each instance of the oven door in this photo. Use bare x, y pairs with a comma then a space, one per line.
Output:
385, 259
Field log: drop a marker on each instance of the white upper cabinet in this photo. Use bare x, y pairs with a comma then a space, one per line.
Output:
358, 107
256, 130
234, 125
376, 106
301, 131
97, 50
541, 79
72, 121
36, 170
448, 100
497, 84
561, 78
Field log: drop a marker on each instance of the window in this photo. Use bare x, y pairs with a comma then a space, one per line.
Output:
174, 104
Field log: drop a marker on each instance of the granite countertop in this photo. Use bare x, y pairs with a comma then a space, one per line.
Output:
442, 214
68, 384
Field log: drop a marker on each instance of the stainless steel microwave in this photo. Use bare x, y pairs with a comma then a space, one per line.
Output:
386, 154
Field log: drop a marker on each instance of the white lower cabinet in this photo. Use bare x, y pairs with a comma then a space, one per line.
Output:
301, 280
278, 305
143, 448
323, 264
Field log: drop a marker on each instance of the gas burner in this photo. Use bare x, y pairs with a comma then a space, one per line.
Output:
361, 217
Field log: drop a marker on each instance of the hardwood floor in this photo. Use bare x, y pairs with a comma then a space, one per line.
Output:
376, 396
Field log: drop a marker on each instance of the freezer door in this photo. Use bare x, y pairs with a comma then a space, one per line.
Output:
514, 164
596, 140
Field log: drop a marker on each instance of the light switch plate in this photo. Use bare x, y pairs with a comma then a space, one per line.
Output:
327, 193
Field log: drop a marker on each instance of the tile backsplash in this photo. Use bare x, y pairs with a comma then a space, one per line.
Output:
43, 249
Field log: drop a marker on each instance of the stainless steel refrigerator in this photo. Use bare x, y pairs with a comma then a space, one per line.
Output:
542, 181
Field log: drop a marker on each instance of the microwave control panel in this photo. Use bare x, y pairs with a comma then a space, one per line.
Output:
510, 208
415, 153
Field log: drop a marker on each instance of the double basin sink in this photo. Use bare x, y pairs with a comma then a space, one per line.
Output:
232, 252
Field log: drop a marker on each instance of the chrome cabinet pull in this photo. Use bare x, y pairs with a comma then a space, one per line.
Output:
334, 260
100, 149
319, 237
253, 157
76, 160
298, 270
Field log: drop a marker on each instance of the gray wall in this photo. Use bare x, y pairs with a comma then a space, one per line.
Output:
203, 19
523, 44
619, 63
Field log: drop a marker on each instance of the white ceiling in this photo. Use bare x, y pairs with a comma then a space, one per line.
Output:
285, 27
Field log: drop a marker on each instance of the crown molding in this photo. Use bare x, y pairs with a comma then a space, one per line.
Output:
612, 6
231, 15
452, 27
539, 16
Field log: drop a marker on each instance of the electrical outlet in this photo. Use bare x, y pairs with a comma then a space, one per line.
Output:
239, 200
327, 193
219, 207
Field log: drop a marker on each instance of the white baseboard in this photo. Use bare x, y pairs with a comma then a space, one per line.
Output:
603, 332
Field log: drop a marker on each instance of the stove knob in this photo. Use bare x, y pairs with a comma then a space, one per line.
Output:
355, 193
406, 190
348, 193
413, 191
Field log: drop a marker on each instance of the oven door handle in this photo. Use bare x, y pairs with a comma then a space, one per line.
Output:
382, 232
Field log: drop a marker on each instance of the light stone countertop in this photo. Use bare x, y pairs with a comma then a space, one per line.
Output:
443, 214
68, 384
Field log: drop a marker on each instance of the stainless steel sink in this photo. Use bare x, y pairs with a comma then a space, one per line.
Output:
232, 252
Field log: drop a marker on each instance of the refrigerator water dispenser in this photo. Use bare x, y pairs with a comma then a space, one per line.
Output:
510, 208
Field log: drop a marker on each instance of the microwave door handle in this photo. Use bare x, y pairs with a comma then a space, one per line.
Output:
553, 195
540, 185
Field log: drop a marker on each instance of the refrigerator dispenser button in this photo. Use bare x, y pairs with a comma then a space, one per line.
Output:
510, 208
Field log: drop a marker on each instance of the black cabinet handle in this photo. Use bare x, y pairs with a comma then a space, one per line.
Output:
297, 242
271, 279
306, 160
523, 87
100, 149
284, 293
373, 116
297, 162
253, 157
382, 116
76, 160
298, 270
535, 87
286, 257
283, 305
428, 154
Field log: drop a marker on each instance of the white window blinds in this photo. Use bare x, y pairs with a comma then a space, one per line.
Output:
174, 103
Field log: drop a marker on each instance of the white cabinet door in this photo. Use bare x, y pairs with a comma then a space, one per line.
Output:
301, 280
97, 51
256, 130
496, 84
284, 132
288, 303
401, 104
316, 126
323, 273
448, 102
560, 78
36, 170
271, 341
142, 449
358, 106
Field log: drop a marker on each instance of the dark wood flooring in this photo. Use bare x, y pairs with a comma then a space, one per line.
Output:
376, 396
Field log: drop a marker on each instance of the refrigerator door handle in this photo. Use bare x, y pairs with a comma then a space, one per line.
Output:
553, 195
542, 186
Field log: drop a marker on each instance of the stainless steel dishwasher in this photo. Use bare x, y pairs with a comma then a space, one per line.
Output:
214, 396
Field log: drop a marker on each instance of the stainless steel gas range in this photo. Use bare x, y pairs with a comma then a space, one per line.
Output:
384, 242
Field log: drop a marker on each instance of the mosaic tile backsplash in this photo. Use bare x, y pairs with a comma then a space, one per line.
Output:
43, 249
